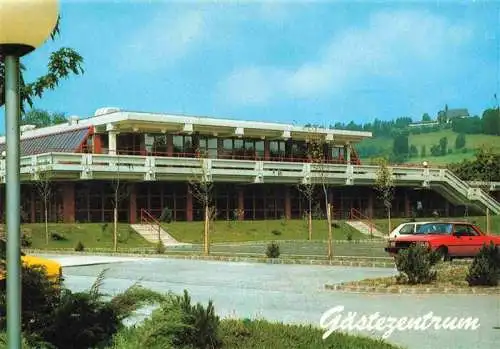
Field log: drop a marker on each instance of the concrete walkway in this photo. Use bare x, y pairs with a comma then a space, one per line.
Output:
296, 294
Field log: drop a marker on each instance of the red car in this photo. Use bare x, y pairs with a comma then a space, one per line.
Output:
450, 239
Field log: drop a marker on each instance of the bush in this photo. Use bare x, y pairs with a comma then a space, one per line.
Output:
79, 247
485, 269
273, 250
166, 215
26, 240
104, 226
415, 265
160, 247
55, 236
276, 232
349, 235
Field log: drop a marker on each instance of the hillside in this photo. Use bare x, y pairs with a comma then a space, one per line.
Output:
473, 142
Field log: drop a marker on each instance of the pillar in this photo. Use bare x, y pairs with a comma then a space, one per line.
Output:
189, 205
267, 152
112, 142
407, 204
69, 202
132, 204
170, 145
241, 204
97, 144
288, 203
348, 153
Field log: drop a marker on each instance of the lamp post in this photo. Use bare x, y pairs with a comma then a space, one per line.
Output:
24, 25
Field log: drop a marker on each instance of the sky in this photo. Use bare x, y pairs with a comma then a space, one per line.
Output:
301, 62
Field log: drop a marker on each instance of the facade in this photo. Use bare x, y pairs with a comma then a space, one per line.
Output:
147, 161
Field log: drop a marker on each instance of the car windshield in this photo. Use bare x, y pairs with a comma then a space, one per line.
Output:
435, 228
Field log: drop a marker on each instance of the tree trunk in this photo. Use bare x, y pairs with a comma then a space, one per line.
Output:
207, 226
389, 219
329, 219
46, 224
310, 223
115, 230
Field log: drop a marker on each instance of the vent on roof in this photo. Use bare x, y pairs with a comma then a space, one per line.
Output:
73, 120
25, 128
106, 110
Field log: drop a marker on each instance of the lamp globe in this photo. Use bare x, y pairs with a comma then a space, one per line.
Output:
26, 24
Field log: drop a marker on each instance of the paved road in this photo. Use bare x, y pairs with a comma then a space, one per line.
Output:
295, 293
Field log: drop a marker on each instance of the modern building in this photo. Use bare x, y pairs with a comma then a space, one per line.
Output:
255, 167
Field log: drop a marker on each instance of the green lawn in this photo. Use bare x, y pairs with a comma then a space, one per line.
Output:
473, 142
92, 235
238, 231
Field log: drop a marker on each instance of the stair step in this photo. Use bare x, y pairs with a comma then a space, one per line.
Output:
150, 233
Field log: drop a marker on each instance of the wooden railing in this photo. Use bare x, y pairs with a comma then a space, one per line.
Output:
148, 219
356, 215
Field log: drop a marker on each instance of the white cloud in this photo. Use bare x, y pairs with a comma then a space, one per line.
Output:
166, 39
393, 45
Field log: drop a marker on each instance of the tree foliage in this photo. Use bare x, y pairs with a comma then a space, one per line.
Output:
485, 167
42, 118
62, 63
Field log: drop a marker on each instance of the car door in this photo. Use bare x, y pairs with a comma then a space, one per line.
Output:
477, 240
462, 243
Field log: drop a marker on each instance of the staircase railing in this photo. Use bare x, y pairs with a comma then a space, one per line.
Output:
356, 215
148, 219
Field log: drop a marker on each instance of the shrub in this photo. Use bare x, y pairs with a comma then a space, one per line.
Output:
26, 240
485, 269
415, 264
160, 247
273, 250
166, 215
276, 232
55, 236
349, 235
79, 247
104, 226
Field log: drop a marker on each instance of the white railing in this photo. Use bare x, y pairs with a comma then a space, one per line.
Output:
242, 170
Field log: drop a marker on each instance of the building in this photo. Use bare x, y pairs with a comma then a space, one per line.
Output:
448, 115
256, 168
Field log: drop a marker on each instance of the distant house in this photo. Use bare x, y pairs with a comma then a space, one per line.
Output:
448, 115
423, 124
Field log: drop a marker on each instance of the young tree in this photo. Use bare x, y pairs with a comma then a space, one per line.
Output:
43, 183
201, 187
460, 141
121, 190
384, 184
62, 63
307, 189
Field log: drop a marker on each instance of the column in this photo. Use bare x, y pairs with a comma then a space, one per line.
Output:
189, 205
347, 148
133, 204
69, 202
112, 142
170, 145
267, 153
241, 204
288, 203
407, 204
97, 144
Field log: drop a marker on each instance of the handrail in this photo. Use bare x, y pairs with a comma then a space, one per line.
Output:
147, 218
355, 214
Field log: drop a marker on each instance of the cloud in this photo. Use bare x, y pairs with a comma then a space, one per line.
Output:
393, 46
165, 40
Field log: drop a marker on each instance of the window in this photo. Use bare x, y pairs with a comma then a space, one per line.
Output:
436, 228
465, 230
407, 229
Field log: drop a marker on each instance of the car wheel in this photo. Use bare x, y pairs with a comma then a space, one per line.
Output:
443, 254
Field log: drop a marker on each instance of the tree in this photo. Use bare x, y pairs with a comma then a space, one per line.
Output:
491, 121
42, 118
401, 147
121, 190
43, 182
307, 189
423, 151
384, 184
62, 63
201, 187
460, 141
443, 145
426, 117
413, 151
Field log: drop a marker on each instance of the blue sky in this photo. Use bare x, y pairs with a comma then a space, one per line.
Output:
297, 62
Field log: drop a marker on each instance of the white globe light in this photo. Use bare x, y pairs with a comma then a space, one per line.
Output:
425, 163
26, 24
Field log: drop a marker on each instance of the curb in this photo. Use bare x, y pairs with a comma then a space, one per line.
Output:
347, 261
413, 290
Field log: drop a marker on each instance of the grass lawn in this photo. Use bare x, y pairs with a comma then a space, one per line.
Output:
448, 275
92, 235
239, 231
479, 220
473, 142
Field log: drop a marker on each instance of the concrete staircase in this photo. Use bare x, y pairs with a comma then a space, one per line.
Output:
150, 233
364, 228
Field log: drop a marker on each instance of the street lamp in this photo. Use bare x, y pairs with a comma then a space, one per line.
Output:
24, 25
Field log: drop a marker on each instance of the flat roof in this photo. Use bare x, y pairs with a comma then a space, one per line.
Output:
107, 119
